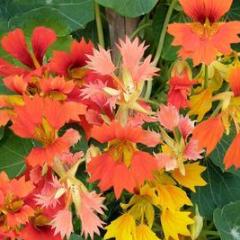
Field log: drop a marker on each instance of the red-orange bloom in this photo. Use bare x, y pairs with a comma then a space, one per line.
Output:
41, 119
13, 208
15, 44
209, 133
71, 64
128, 166
203, 39
180, 87
232, 156
234, 80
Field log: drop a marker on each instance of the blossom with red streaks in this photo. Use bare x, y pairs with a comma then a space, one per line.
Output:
206, 37
129, 166
72, 64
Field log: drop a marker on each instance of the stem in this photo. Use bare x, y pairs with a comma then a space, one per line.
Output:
160, 45
211, 233
99, 25
135, 33
148, 90
217, 109
163, 33
205, 84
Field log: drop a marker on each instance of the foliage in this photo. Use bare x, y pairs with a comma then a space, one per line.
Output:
174, 104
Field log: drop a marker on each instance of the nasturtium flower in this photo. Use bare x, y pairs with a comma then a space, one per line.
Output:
168, 117
234, 79
200, 104
192, 177
143, 232
204, 38
41, 119
62, 223
232, 156
180, 87
129, 166
175, 223
73, 64
130, 74
90, 205
208, 133
15, 44
14, 208
123, 228
172, 197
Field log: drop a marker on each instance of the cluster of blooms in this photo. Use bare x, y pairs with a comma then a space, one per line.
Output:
207, 41
84, 87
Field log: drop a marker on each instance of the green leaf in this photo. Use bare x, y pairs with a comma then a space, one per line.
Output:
1, 132
222, 188
234, 13
76, 237
63, 16
13, 150
227, 221
129, 8
169, 52
40, 17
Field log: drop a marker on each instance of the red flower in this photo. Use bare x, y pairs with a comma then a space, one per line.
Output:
41, 119
15, 44
129, 167
31, 232
180, 87
203, 39
72, 64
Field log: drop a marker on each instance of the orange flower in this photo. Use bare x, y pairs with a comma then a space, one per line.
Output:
128, 166
232, 156
205, 37
209, 133
13, 208
234, 80
41, 119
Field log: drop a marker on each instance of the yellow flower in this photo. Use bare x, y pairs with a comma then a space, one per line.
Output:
140, 206
175, 223
192, 176
200, 104
172, 197
143, 232
123, 228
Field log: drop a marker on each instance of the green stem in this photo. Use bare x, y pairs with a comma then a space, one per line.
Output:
148, 90
139, 29
163, 33
160, 45
211, 233
217, 110
205, 84
99, 25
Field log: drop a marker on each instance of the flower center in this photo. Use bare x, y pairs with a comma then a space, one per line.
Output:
122, 151
206, 30
12, 204
45, 133
39, 219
